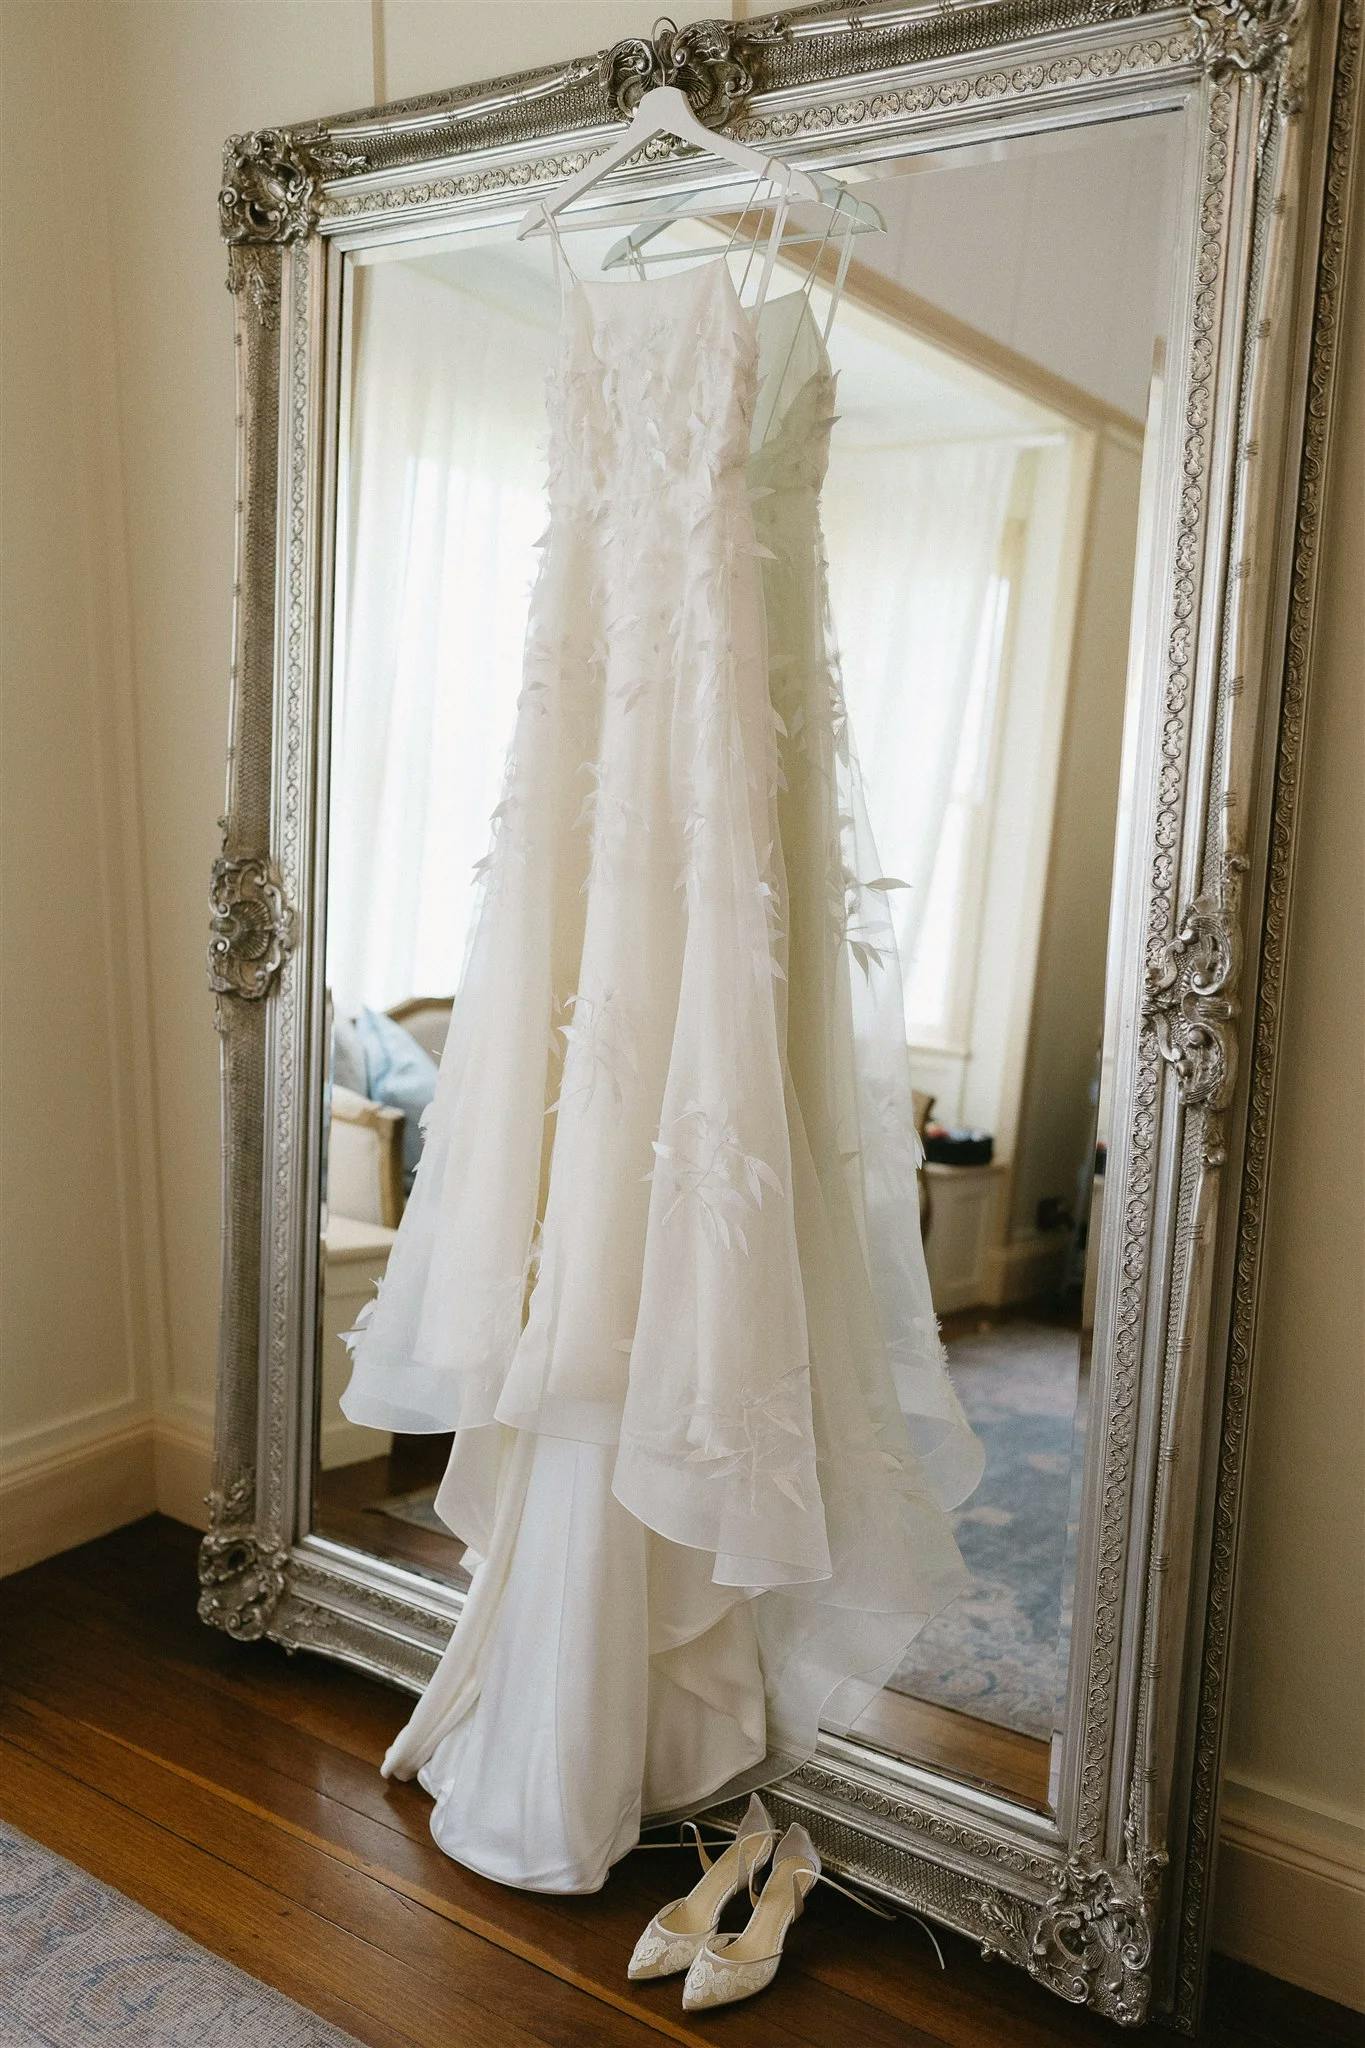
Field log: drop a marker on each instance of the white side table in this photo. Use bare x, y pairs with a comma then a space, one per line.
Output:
354, 1255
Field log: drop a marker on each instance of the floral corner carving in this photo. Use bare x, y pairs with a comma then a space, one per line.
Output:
241, 1579
1091, 1940
710, 61
268, 197
251, 926
1191, 1001
1247, 36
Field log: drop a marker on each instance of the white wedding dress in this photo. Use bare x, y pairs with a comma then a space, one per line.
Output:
661, 1268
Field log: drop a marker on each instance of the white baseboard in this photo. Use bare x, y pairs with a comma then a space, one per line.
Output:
184, 1468
49, 1504
1029, 1265
346, 1443
1290, 1893
72, 1494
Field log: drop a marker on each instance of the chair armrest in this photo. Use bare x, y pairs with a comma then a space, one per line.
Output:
365, 1159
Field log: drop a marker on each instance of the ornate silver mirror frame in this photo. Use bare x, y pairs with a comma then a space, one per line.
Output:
1108, 1903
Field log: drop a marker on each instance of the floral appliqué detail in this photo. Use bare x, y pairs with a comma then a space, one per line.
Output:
711, 1172
753, 1437
892, 1139
505, 839
870, 938
598, 1044
658, 1954
611, 820
714, 1980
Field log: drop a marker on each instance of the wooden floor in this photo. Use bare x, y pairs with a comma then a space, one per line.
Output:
973, 1751
348, 1507
234, 1791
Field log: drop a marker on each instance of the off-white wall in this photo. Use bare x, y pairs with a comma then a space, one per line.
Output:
83, 1338
183, 78
118, 523
1296, 1739
1308, 1441
1056, 1113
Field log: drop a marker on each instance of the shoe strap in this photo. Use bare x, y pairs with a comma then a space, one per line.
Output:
868, 1905
689, 1830
885, 1913
819, 1877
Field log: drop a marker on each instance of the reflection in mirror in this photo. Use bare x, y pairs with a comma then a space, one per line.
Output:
995, 349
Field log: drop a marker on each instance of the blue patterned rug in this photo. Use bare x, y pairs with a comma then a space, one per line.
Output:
996, 1652
80, 1964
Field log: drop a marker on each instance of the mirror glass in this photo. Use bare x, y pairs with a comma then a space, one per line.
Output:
999, 345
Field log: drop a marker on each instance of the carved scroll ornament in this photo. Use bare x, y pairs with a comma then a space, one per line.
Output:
1191, 998
241, 1579
1091, 1939
268, 197
273, 177
1250, 36
709, 61
251, 926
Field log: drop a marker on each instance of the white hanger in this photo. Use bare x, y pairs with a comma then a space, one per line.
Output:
665, 111
863, 219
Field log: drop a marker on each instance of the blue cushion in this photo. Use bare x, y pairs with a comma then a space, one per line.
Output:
349, 1068
400, 1074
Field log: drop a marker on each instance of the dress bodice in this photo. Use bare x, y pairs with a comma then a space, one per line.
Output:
794, 410
787, 466
653, 390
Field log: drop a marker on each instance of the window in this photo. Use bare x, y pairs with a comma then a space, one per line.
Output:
939, 969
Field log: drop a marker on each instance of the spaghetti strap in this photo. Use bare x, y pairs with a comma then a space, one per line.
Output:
780, 212
565, 273
840, 276
740, 218
806, 294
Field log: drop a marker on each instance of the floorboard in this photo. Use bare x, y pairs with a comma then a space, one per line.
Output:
235, 1791
978, 1752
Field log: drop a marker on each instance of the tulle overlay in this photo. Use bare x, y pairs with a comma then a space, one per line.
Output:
661, 1266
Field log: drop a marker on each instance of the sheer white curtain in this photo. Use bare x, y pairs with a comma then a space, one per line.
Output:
914, 539
446, 502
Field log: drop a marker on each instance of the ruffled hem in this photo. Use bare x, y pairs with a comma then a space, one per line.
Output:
628, 1686
758, 1538
412, 1400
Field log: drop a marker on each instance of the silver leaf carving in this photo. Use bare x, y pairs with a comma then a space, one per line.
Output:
709, 61
251, 926
241, 1579
269, 196
1249, 36
1191, 1001
1091, 1939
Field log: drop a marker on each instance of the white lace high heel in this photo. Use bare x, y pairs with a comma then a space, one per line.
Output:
731, 1966
677, 1932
